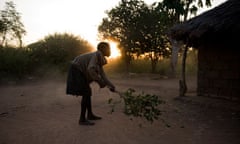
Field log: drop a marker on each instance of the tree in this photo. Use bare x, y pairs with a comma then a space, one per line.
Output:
154, 22
121, 25
11, 26
139, 28
182, 10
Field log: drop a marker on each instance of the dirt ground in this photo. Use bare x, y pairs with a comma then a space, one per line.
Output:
39, 112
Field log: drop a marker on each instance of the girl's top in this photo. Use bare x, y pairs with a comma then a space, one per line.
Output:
91, 65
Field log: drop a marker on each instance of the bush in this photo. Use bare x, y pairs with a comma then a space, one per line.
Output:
58, 50
53, 53
15, 62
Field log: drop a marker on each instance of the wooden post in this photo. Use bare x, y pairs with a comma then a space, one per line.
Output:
182, 81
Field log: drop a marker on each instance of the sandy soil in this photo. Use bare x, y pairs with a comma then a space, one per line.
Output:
39, 112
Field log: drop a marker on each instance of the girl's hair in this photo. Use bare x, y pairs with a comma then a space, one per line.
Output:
102, 46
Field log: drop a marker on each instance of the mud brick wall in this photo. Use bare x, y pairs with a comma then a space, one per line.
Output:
219, 73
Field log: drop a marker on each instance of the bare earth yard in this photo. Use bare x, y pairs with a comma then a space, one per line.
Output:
39, 112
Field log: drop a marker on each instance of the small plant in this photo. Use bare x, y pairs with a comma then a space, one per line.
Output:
141, 105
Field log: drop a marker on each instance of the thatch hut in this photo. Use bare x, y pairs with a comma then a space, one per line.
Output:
215, 34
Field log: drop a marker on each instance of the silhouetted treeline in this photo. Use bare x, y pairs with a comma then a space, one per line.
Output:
54, 52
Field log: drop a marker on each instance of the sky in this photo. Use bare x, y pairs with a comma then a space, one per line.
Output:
78, 17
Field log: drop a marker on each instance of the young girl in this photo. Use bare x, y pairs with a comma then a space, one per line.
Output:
85, 69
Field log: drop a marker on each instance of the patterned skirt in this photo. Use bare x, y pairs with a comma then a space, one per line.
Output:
77, 84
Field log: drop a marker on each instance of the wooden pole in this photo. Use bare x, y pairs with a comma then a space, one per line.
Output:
182, 81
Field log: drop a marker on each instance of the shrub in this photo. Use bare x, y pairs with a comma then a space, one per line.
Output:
15, 62
58, 50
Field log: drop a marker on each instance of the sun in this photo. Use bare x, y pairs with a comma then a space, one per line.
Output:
115, 52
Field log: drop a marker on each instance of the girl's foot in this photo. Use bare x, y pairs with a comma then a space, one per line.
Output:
85, 122
93, 117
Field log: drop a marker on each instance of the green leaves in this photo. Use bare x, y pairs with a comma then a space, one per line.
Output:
141, 105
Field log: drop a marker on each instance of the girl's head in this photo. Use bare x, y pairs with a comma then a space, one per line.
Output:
104, 47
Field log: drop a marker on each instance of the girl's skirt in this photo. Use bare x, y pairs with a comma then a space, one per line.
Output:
77, 84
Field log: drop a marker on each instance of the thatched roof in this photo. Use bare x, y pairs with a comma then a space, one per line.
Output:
219, 25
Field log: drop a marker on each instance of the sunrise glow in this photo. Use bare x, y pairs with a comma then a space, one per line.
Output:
115, 52
80, 18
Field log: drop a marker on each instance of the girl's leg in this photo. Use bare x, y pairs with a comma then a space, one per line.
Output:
90, 114
84, 105
83, 108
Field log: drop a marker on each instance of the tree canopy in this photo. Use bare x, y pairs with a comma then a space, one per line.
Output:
139, 29
11, 27
142, 29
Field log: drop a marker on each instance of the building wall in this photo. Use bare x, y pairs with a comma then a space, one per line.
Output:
219, 73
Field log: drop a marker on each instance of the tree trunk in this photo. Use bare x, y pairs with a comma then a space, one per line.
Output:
182, 81
175, 49
154, 65
154, 60
127, 59
3, 38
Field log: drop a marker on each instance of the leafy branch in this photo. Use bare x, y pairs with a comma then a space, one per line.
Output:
140, 105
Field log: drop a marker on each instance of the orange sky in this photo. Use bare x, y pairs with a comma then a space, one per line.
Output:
44, 17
